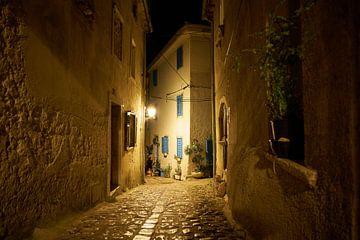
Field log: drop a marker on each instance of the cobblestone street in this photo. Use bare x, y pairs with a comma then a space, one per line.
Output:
160, 209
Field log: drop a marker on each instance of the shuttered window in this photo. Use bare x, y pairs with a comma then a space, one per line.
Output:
165, 144
179, 57
179, 147
155, 77
179, 105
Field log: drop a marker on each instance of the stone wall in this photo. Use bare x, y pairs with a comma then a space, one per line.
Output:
57, 73
50, 160
272, 203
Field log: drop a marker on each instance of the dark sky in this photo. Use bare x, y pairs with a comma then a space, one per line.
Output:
167, 16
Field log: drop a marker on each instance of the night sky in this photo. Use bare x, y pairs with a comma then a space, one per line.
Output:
167, 16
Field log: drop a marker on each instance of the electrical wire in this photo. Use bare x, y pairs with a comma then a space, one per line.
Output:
177, 72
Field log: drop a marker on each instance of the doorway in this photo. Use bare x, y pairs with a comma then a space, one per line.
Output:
115, 146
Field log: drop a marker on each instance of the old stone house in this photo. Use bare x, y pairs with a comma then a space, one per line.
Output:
315, 197
71, 106
179, 88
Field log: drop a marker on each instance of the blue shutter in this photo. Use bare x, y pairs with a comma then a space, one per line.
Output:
165, 144
155, 77
179, 57
179, 105
209, 150
179, 147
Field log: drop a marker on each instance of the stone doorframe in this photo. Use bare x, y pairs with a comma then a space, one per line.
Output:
114, 101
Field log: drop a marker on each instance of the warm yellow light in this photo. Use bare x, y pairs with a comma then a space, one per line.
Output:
151, 112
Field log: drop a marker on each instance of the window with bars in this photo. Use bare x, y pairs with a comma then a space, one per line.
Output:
179, 57
179, 105
179, 147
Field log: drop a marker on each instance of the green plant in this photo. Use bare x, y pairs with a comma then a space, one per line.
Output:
277, 56
196, 150
167, 170
274, 68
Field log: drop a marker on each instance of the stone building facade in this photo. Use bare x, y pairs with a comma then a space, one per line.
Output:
316, 197
179, 88
69, 72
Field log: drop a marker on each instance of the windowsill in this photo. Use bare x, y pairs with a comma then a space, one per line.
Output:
307, 175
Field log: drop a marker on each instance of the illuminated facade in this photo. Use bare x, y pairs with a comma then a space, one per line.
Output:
179, 88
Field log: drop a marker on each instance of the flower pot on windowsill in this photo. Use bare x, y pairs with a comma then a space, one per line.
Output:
279, 138
281, 147
197, 174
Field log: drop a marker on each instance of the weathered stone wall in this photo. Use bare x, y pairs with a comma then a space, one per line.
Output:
56, 73
50, 160
276, 205
330, 76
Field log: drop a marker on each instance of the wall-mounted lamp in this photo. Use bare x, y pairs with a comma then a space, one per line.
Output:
151, 112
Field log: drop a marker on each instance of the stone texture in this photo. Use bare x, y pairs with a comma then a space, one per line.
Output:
56, 73
275, 204
190, 211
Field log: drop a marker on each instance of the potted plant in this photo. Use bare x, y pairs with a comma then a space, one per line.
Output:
167, 171
178, 170
279, 64
196, 150
275, 69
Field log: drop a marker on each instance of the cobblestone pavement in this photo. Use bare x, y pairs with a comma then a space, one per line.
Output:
160, 209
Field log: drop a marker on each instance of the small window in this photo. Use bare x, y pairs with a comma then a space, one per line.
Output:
179, 105
130, 131
135, 9
87, 8
221, 13
179, 57
165, 144
132, 59
117, 33
155, 77
179, 147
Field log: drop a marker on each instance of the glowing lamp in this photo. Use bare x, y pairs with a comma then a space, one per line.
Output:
151, 112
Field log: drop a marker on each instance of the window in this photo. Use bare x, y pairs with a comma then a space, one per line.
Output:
134, 9
221, 13
179, 147
117, 33
165, 144
179, 105
132, 59
130, 131
86, 7
179, 57
155, 77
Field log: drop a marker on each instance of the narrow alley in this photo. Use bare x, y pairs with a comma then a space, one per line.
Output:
181, 119
163, 208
